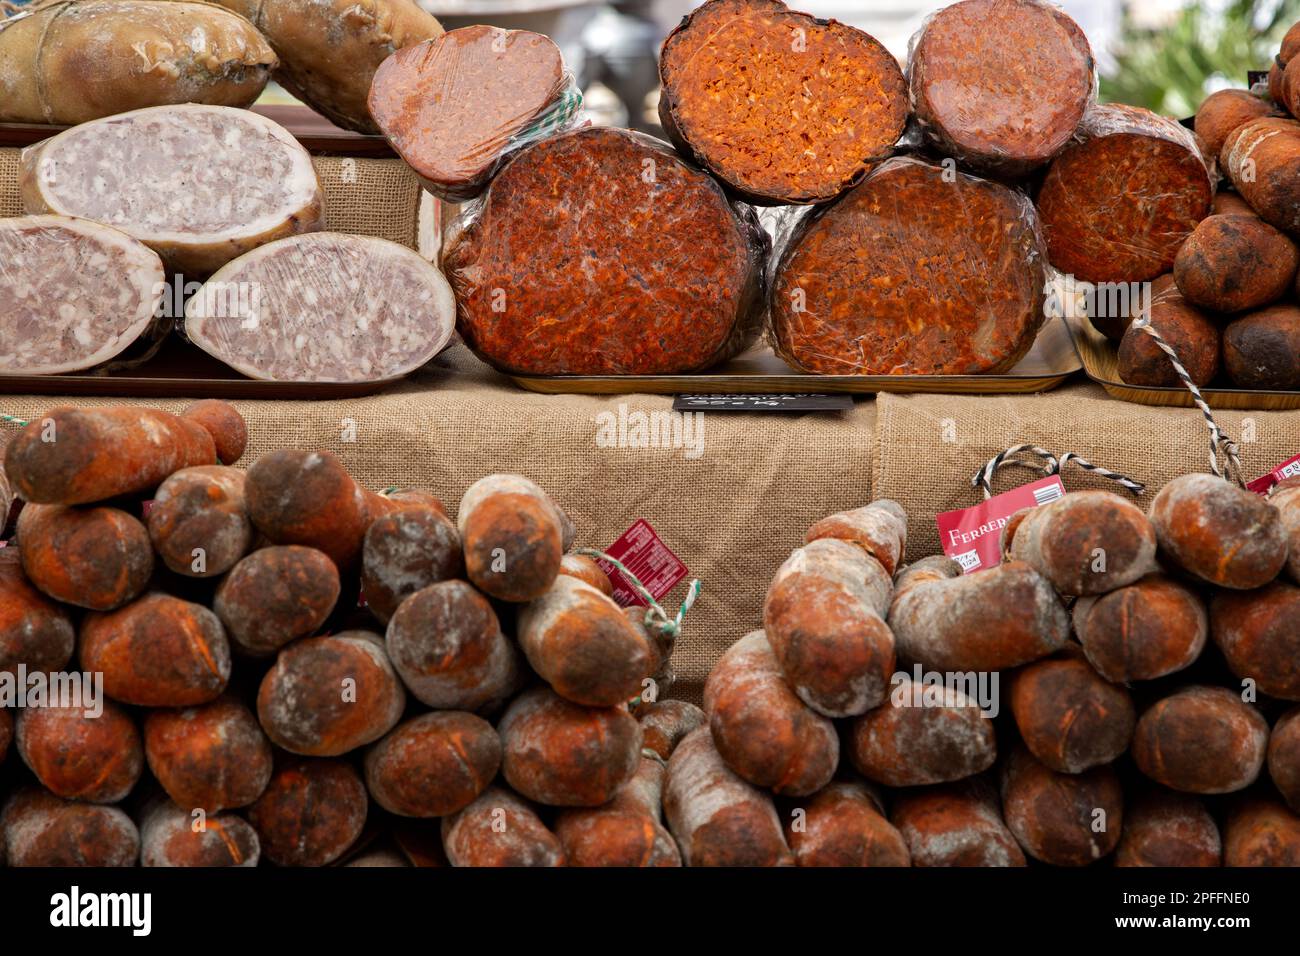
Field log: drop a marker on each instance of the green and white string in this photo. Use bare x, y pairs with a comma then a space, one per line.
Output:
655, 615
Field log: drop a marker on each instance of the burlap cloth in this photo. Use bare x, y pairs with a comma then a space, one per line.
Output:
369, 197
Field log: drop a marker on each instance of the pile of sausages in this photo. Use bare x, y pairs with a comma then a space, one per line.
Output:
299, 670
1229, 305
1144, 710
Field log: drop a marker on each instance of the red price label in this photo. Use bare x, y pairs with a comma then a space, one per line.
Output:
1288, 469
973, 536
641, 551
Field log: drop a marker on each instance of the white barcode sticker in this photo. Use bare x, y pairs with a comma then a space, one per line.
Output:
1043, 496
969, 561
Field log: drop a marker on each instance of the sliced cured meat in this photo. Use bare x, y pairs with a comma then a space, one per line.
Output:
1117, 205
329, 49
72, 62
73, 293
781, 106
601, 252
324, 307
454, 105
915, 271
1001, 84
199, 185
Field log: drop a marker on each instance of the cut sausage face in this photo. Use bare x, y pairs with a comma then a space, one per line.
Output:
600, 252
1117, 205
783, 107
1001, 84
453, 105
324, 308
911, 273
73, 293
199, 185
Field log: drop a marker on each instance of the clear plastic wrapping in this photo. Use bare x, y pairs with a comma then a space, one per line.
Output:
601, 251
324, 307
458, 106
1119, 202
73, 294
1001, 85
920, 269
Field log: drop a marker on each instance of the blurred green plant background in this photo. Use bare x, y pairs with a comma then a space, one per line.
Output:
1206, 47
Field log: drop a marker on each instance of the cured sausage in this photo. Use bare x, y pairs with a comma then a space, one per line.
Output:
168, 838
1262, 349
907, 743
1164, 828
1257, 633
276, 595
44, 830
329, 49
325, 696
824, 617
1262, 159
565, 755
73, 293
845, 826
446, 643
1070, 718
97, 558
585, 646
1201, 740
433, 765
158, 651
1117, 205
1194, 336
717, 818
311, 813
991, 621
1224, 111
499, 829
34, 631
1153, 627
67, 63
513, 535
75, 456
1234, 263
624, 832
913, 271
762, 730
880, 529
955, 825
214, 756
453, 106
79, 754
600, 252
198, 523
1001, 84
1218, 532
1060, 818
135, 172
326, 307
1088, 542
779, 105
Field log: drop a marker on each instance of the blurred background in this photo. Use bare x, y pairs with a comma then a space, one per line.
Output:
1166, 55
